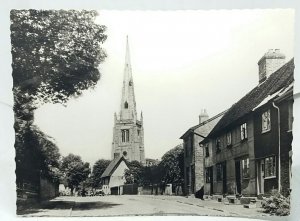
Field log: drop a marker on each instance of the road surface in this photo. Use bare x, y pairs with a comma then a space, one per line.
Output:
126, 205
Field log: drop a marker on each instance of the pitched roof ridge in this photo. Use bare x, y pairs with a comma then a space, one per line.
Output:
112, 166
213, 118
209, 120
275, 82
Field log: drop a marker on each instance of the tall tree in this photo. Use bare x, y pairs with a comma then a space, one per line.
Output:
75, 170
55, 56
173, 165
98, 170
137, 173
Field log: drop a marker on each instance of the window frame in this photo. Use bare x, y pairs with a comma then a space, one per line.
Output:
271, 160
245, 168
229, 134
206, 149
125, 138
218, 145
207, 175
266, 114
244, 132
126, 105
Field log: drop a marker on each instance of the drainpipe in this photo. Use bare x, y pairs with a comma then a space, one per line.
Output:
279, 163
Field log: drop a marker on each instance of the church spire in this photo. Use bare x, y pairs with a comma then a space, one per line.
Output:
128, 105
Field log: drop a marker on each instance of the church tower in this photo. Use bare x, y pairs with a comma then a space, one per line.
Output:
128, 132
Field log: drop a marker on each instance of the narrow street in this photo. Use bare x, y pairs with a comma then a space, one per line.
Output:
137, 205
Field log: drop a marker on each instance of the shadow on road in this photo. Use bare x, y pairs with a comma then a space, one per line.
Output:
62, 205
93, 205
48, 205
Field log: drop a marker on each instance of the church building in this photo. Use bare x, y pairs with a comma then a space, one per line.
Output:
128, 132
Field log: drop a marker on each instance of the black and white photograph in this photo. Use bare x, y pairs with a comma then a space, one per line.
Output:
153, 113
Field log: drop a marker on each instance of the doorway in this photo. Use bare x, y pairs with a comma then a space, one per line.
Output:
211, 178
261, 176
238, 177
224, 177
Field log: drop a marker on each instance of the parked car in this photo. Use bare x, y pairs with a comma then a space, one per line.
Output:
99, 193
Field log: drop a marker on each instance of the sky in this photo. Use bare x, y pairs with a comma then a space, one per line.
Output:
182, 62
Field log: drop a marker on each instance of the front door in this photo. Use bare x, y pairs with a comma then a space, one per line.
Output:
224, 178
238, 176
211, 180
261, 176
193, 179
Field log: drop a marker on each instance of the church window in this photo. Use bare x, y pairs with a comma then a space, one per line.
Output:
126, 105
138, 132
130, 83
124, 153
125, 135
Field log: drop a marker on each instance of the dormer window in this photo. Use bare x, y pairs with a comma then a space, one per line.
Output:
126, 105
266, 121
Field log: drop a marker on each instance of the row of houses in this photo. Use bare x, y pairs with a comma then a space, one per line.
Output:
247, 149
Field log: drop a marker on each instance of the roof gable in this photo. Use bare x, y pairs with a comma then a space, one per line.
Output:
112, 166
280, 79
205, 127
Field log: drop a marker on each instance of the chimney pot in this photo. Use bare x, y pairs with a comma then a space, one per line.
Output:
203, 116
269, 63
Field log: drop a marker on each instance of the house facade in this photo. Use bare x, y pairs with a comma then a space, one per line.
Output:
193, 153
273, 143
249, 150
113, 178
230, 160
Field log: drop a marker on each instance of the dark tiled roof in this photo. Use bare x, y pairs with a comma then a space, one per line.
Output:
206, 126
112, 166
280, 79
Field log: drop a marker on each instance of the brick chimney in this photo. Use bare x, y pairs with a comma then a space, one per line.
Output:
203, 116
269, 63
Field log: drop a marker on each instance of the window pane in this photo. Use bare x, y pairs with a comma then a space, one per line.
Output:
270, 166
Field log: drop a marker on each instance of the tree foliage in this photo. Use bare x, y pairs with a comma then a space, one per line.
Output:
75, 170
37, 156
172, 163
135, 173
98, 170
55, 54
